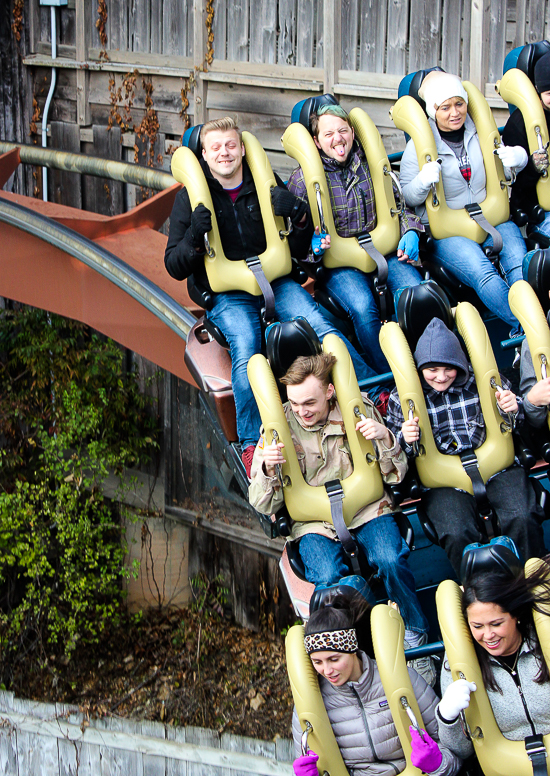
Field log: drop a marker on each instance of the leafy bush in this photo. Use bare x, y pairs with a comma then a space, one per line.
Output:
69, 413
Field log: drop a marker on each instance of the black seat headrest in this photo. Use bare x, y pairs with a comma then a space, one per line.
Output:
499, 556
529, 56
417, 305
192, 139
303, 110
538, 277
287, 340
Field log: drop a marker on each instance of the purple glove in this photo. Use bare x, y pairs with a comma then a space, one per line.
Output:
425, 753
305, 766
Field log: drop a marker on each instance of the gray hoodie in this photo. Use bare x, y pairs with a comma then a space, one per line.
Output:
438, 346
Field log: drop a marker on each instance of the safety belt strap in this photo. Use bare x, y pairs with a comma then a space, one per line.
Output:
475, 213
471, 467
536, 751
255, 266
380, 281
335, 497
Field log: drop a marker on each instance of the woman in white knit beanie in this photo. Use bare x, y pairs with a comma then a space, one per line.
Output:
460, 163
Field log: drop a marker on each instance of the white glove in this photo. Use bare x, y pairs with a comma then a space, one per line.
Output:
512, 156
455, 699
429, 173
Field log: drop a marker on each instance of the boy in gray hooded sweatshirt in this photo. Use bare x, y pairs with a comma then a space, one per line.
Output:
454, 409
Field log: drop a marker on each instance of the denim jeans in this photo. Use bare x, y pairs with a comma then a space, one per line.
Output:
467, 261
354, 290
544, 226
385, 550
237, 314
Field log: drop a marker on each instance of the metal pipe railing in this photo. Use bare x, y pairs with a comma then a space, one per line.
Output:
91, 165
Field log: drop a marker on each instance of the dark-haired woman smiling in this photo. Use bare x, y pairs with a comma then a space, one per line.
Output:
499, 612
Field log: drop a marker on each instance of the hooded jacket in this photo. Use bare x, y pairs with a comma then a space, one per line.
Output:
439, 346
363, 725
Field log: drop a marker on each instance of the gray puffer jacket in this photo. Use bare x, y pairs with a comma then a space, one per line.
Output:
363, 725
458, 192
509, 711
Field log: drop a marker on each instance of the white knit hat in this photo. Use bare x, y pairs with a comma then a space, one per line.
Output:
438, 87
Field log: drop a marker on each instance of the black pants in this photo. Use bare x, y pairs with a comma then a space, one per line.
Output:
453, 514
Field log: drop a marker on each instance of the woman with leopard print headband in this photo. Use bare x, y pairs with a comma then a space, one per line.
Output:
339, 644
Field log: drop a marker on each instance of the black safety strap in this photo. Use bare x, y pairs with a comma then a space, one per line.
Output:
536, 752
255, 266
476, 214
380, 281
335, 497
484, 508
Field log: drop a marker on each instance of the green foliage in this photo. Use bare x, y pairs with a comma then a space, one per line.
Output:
69, 413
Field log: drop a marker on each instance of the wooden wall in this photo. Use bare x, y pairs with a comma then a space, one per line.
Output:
255, 60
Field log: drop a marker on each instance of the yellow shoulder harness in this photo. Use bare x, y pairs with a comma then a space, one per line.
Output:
516, 88
497, 755
223, 274
308, 502
346, 251
526, 307
444, 221
435, 469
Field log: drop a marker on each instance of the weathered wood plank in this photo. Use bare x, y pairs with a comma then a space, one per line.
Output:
83, 111
451, 35
350, 15
263, 33
66, 187
424, 34
101, 195
220, 31
287, 32
152, 765
332, 41
139, 25
202, 737
231, 743
497, 39
479, 50
155, 39
176, 767
372, 32
305, 26
398, 24
238, 17
537, 19
199, 44
521, 18
118, 25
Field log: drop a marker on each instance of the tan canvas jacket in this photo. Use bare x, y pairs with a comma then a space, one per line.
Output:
324, 455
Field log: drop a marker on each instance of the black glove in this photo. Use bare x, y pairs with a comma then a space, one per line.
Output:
201, 222
287, 205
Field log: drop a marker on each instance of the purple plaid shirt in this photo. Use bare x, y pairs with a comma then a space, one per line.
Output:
351, 195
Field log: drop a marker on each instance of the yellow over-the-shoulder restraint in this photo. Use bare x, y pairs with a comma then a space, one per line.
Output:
346, 251
408, 115
223, 274
527, 309
435, 469
516, 88
388, 632
497, 755
309, 502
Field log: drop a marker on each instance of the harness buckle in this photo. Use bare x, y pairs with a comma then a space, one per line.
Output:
334, 489
534, 745
473, 209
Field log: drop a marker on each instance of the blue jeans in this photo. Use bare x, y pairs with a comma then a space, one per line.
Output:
354, 290
544, 226
237, 314
385, 550
466, 260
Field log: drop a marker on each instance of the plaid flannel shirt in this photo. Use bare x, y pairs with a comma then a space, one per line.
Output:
351, 195
455, 416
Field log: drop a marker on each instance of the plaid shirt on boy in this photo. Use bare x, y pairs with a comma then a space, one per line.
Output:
455, 416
